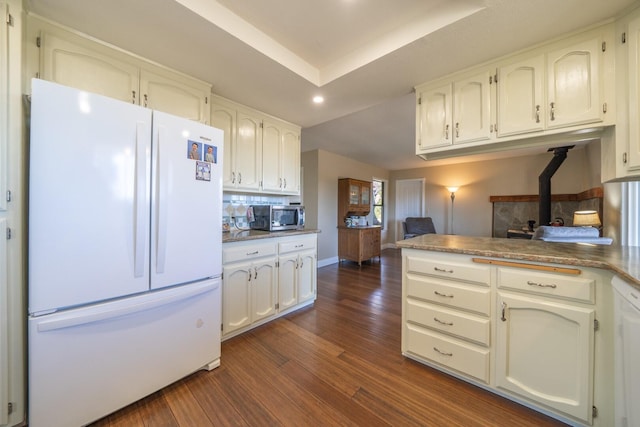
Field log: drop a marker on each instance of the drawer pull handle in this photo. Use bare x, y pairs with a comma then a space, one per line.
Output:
442, 352
443, 323
504, 309
541, 285
443, 295
442, 270
253, 253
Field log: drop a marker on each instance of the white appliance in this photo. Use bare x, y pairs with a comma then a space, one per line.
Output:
125, 252
627, 350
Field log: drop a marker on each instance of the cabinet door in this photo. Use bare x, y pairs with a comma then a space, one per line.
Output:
633, 162
545, 353
263, 290
271, 157
4, 107
472, 109
434, 118
175, 95
236, 298
85, 65
4, 321
287, 289
573, 85
290, 158
520, 97
307, 276
248, 151
365, 196
223, 117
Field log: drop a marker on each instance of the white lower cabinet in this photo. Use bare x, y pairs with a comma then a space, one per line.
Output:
539, 334
297, 273
265, 279
249, 286
446, 308
544, 352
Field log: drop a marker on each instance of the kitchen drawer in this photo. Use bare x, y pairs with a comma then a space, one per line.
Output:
466, 297
451, 322
247, 252
296, 245
449, 267
449, 352
549, 284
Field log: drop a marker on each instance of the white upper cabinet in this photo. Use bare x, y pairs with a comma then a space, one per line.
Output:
85, 64
242, 165
434, 117
633, 38
472, 108
280, 157
521, 97
262, 154
573, 85
516, 100
80, 63
248, 150
454, 113
174, 95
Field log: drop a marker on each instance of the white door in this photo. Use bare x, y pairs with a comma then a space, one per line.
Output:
186, 199
409, 201
88, 199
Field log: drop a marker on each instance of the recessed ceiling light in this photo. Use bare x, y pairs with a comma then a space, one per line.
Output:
318, 99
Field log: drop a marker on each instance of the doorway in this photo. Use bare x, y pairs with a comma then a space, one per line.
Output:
409, 201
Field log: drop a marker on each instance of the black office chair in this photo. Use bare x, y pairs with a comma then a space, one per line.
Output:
415, 226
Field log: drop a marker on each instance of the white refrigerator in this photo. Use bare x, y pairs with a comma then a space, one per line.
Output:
125, 244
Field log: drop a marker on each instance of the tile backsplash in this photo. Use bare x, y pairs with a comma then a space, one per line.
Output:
235, 205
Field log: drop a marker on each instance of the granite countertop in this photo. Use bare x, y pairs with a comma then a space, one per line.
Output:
359, 227
624, 261
243, 235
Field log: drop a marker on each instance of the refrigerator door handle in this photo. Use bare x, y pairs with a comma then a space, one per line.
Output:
140, 200
161, 205
96, 314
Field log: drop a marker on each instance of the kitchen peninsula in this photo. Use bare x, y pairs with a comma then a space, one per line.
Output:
530, 320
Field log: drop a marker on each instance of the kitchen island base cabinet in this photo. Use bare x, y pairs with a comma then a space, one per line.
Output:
538, 334
358, 243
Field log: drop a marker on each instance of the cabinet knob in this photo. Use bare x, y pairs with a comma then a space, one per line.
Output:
504, 309
446, 132
553, 111
537, 114
457, 130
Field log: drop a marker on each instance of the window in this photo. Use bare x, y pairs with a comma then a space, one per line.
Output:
378, 202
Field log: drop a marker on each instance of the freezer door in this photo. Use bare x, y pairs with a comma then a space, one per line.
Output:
186, 231
88, 362
89, 194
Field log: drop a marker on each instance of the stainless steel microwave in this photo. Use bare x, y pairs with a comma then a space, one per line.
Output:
276, 217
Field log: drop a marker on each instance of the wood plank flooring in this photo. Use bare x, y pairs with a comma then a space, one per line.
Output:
335, 363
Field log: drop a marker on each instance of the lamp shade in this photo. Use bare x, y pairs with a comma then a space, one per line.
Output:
586, 219
452, 189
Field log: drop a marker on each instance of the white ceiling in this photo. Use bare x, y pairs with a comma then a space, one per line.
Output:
363, 56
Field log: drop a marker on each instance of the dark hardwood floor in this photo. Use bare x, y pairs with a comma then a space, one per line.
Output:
335, 363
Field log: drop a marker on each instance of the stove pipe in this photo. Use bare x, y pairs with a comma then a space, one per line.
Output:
544, 183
